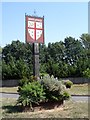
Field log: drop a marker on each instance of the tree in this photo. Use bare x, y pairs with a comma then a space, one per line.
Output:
85, 38
75, 56
17, 57
0, 63
61, 59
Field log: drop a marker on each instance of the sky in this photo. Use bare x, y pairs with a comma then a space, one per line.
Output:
61, 20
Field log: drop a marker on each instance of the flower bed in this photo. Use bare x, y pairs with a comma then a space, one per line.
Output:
46, 93
44, 106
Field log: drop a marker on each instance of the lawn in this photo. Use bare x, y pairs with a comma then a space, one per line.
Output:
8, 89
76, 89
79, 89
70, 109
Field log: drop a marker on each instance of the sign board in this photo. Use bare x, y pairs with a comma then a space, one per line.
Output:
34, 29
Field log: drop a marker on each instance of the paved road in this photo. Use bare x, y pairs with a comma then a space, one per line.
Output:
80, 98
9, 95
74, 98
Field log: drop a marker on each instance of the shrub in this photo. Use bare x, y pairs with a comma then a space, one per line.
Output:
31, 93
44, 90
66, 95
22, 82
32, 78
68, 83
25, 81
86, 73
54, 89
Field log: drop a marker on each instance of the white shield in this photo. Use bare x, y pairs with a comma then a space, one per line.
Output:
38, 24
38, 34
31, 24
31, 33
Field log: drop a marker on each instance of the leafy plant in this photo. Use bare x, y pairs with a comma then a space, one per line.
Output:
67, 83
86, 73
31, 93
22, 82
54, 89
66, 95
69, 58
25, 81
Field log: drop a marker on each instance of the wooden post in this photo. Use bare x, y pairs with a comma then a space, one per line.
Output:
36, 59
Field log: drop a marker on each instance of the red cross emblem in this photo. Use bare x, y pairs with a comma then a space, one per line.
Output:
34, 29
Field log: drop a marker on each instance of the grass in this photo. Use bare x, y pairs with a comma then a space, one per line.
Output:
9, 89
76, 89
70, 109
79, 89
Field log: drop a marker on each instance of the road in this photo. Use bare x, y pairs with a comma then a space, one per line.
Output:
74, 98
80, 98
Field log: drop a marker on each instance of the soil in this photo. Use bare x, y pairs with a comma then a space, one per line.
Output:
44, 106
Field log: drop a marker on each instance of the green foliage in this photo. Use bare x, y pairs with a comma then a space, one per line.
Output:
15, 69
86, 40
54, 89
86, 73
22, 83
0, 68
25, 81
6, 71
69, 58
17, 60
65, 57
44, 90
31, 93
67, 83
66, 95
42, 75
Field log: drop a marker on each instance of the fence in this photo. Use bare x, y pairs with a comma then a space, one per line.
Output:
78, 80
13, 83
9, 83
